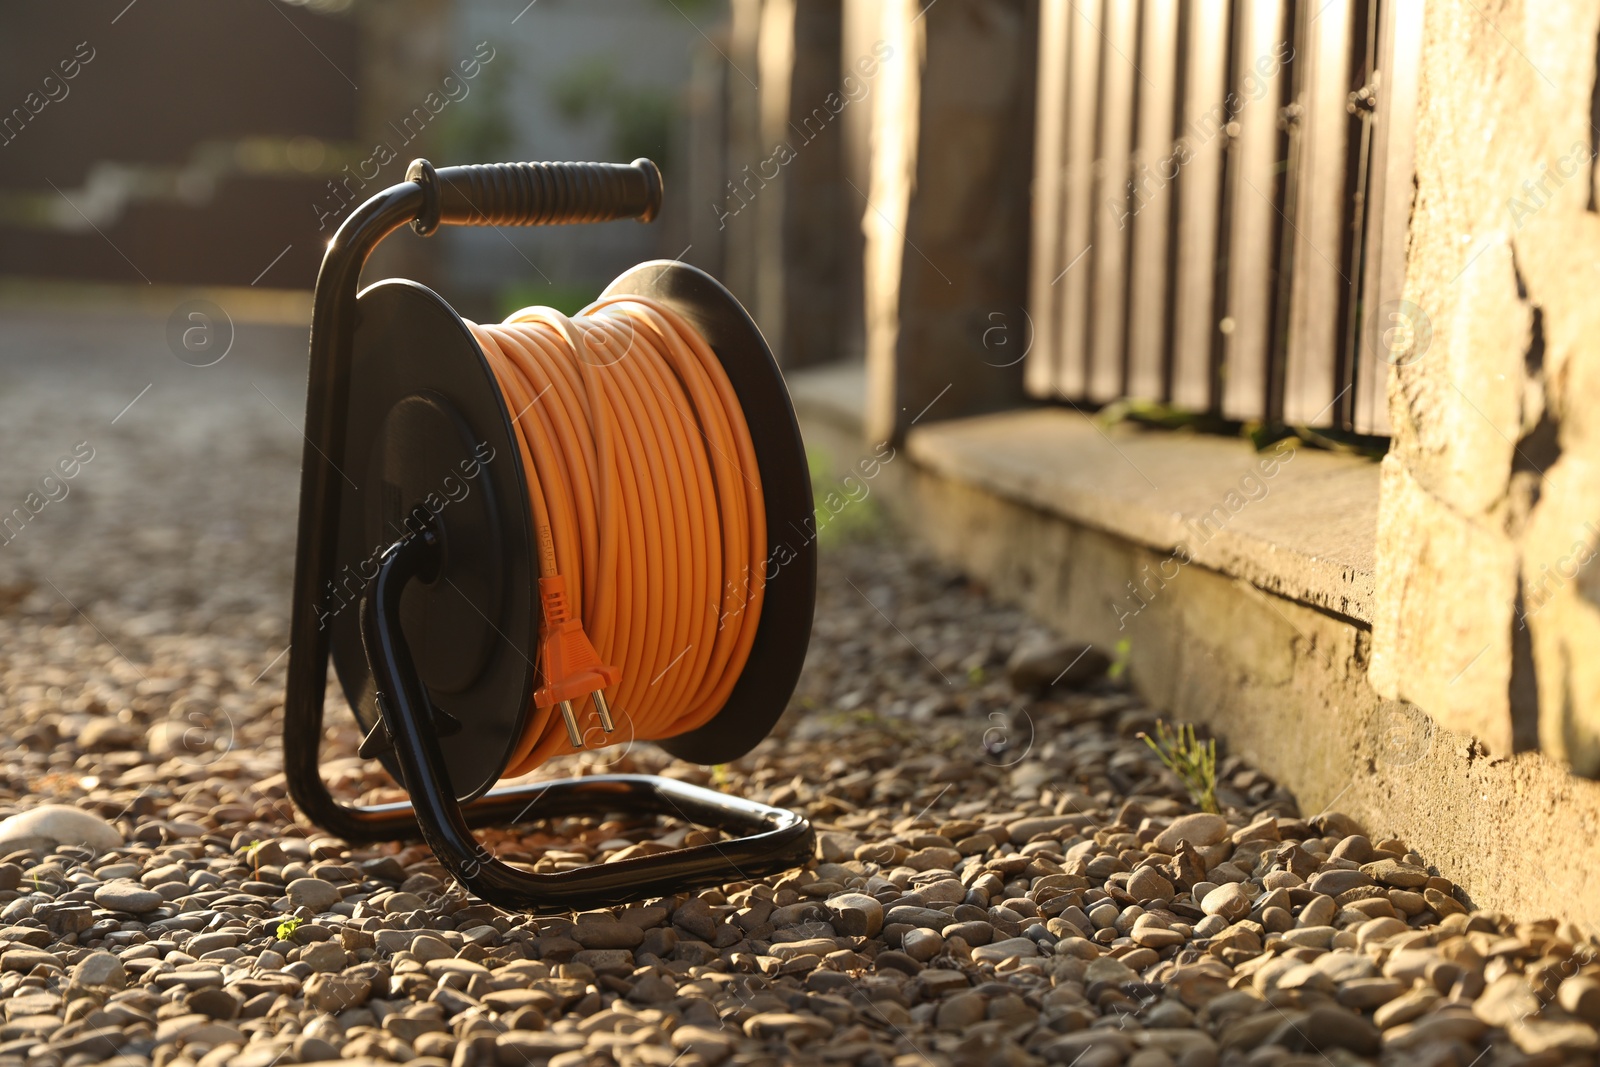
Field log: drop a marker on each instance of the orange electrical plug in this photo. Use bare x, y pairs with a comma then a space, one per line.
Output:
570, 664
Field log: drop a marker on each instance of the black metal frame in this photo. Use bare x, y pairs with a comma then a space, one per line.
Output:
774, 839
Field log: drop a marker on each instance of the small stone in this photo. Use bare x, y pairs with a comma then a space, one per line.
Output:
896, 961
217, 1003
856, 914
1580, 996
1156, 937
961, 1011
26, 959
127, 896
1109, 970
1507, 998
99, 970
1199, 829
337, 992
934, 858
1364, 993
979, 932
923, 945
1396, 874
403, 903
834, 846
1231, 902
309, 1049
937, 981
1263, 829
1445, 1023
50, 825
427, 948
788, 1025
912, 915
1404, 1008
1042, 661
999, 951
616, 961
1196, 984
1325, 1028
518, 1048
607, 934
1538, 1037
1355, 848
324, 956
1332, 883
312, 893
1346, 966
710, 1045
1024, 830
1146, 884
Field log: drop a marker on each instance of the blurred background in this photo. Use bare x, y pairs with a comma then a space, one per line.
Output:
167, 159
200, 144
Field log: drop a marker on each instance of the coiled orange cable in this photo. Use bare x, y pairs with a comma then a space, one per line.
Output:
648, 512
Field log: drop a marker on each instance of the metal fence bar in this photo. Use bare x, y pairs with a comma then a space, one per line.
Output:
1256, 210
1077, 251
1120, 80
1319, 277
1150, 201
1049, 198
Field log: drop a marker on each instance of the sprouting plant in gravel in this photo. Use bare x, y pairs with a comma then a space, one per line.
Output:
1193, 761
287, 926
253, 852
719, 775
1119, 663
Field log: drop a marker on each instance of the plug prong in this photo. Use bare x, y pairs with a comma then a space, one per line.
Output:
571, 720
603, 709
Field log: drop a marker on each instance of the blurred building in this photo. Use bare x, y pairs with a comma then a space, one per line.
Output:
189, 143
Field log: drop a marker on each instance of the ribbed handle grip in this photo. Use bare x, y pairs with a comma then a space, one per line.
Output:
548, 194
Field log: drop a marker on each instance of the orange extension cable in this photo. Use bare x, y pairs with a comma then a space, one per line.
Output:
648, 512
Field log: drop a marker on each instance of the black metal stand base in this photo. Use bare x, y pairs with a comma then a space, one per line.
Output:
774, 839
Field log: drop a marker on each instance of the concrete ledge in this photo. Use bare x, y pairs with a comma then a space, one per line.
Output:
1291, 520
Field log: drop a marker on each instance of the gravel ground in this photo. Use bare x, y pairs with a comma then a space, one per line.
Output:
1005, 873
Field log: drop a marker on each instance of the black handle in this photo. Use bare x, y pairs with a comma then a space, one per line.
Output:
535, 194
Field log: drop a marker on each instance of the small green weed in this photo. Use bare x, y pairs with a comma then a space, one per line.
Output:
1193, 761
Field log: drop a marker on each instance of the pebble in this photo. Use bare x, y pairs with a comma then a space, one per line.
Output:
1145, 885
923, 945
1199, 829
337, 992
1230, 902
971, 902
324, 956
51, 825
1394, 873
99, 970
1334, 882
128, 896
1043, 661
312, 893
856, 914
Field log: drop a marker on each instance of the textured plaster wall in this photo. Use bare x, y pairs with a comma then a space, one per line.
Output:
1488, 608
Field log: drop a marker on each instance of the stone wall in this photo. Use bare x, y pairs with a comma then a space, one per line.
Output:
1487, 613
